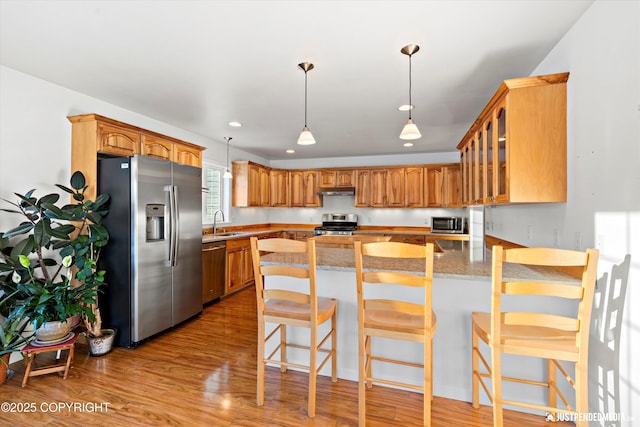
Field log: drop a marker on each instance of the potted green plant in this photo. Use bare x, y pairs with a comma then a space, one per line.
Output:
40, 255
13, 334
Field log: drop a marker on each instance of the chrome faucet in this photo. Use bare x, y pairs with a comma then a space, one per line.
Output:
215, 224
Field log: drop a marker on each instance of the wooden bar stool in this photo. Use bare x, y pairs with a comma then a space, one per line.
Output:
32, 349
300, 308
541, 334
379, 265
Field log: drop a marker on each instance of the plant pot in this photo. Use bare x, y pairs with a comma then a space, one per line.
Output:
99, 346
51, 331
4, 367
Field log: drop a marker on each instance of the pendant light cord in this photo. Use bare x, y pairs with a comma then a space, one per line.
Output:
305, 98
410, 104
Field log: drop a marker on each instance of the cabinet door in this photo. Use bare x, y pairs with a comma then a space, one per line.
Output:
490, 139
465, 174
395, 187
363, 188
235, 271
452, 187
303, 235
434, 187
378, 188
345, 178
502, 184
253, 197
247, 266
310, 193
156, 147
186, 155
327, 178
278, 187
118, 141
414, 187
296, 189
264, 187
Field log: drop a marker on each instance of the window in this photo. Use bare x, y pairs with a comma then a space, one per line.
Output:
216, 193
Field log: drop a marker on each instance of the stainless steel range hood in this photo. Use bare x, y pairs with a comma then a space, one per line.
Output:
337, 191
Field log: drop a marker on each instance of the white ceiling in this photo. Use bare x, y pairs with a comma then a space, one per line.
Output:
199, 64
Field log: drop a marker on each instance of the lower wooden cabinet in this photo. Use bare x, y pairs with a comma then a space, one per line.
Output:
239, 266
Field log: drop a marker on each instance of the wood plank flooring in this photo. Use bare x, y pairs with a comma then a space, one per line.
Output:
203, 373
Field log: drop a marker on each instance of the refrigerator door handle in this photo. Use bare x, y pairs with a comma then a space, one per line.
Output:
172, 225
176, 223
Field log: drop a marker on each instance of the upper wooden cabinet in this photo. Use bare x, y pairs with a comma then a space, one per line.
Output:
92, 134
382, 187
303, 188
337, 178
187, 155
363, 188
116, 140
414, 187
451, 187
387, 187
516, 150
157, 147
247, 184
310, 196
278, 188
296, 189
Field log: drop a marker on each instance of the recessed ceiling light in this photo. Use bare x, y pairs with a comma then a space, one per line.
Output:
291, 151
408, 144
405, 107
235, 124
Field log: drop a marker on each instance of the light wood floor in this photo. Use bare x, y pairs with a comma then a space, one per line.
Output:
204, 373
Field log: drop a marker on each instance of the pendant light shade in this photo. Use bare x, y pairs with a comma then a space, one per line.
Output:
305, 138
410, 130
227, 172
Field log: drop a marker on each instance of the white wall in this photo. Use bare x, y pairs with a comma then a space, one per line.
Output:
35, 135
602, 53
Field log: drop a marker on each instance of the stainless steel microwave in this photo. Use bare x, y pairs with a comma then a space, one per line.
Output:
447, 224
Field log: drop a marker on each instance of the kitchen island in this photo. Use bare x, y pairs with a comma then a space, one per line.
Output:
461, 285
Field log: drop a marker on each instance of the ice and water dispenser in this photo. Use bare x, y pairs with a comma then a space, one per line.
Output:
155, 222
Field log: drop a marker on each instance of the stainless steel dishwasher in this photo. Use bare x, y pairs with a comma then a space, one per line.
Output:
214, 256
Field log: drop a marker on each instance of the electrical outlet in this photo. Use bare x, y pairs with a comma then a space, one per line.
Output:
577, 241
529, 232
556, 237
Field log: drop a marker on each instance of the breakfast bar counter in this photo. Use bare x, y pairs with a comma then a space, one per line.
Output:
461, 285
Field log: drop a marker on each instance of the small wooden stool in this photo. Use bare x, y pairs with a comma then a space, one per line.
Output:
30, 350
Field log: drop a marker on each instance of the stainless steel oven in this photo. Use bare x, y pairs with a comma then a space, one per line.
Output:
337, 224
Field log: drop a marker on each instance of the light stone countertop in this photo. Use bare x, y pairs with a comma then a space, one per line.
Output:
457, 261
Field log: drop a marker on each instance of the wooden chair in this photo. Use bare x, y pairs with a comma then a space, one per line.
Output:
553, 337
292, 308
393, 318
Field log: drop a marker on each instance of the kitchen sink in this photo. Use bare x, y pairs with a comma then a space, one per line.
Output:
231, 233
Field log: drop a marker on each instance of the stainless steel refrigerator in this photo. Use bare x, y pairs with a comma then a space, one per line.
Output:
153, 259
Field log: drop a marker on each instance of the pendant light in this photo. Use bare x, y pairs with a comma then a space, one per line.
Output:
410, 130
305, 137
227, 172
